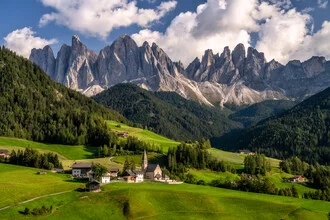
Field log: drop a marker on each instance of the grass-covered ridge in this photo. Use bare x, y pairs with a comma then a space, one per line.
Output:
145, 135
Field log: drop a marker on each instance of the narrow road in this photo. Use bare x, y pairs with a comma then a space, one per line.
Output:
30, 200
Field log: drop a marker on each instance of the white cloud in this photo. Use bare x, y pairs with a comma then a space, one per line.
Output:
214, 25
283, 32
322, 3
315, 45
24, 40
100, 17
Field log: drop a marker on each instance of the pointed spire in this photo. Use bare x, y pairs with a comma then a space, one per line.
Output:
144, 161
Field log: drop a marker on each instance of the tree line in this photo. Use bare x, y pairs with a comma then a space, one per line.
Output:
194, 155
32, 158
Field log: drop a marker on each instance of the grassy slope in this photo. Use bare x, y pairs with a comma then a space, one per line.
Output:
159, 201
144, 135
22, 183
68, 151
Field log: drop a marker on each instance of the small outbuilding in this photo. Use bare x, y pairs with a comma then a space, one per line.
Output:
93, 186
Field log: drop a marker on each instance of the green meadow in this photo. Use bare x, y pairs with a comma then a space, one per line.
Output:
161, 201
23, 183
145, 135
67, 151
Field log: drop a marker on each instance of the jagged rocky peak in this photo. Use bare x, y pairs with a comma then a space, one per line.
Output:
238, 55
207, 59
45, 59
314, 66
254, 54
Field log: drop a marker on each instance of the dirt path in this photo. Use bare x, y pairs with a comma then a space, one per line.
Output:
30, 200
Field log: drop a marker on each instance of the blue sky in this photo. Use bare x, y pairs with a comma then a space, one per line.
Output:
282, 29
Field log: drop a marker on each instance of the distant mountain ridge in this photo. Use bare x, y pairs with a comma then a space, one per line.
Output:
302, 131
166, 113
236, 77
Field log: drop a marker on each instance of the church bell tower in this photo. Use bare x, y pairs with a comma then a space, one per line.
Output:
144, 161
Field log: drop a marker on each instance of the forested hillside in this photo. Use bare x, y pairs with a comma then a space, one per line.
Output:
166, 113
34, 107
251, 115
302, 131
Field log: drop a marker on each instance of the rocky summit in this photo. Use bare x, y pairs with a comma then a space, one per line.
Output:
236, 77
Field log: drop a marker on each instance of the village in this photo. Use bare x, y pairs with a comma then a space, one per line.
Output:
148, 172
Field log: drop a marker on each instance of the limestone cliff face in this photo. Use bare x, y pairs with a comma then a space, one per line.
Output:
237, 76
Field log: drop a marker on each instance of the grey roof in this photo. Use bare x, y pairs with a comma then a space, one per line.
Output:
4, 151
151, 167
114, 169
82, 165
137, 172
130, 173
158, 175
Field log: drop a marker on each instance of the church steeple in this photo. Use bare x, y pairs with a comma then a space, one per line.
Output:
144, 161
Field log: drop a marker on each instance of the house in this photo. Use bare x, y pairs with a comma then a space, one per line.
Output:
297, 179
123, 134
151, 171
93, 186
114, 172
247, 152
105, 178
81, 170
134, 176
4, 153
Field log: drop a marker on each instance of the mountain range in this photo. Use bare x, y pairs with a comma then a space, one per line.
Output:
234, 77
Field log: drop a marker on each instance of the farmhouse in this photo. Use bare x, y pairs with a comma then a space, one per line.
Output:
297, 179
247, 152
4, 153
133, 176
114, 172
151, 171
81, 170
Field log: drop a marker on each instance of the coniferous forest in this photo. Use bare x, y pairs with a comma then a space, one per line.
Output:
34, 107
303, 131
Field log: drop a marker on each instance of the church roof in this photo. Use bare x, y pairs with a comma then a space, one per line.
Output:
151, 167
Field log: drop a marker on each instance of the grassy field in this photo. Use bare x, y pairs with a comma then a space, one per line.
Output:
208, 175
237, 159
144, 135
160, 201
22, 183
67, 151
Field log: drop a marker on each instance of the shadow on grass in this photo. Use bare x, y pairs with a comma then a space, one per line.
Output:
90, 149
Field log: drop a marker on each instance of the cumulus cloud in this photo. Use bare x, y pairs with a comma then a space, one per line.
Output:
100, 17
214, 25
24, 40
322, 3
283, 32
316, 44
